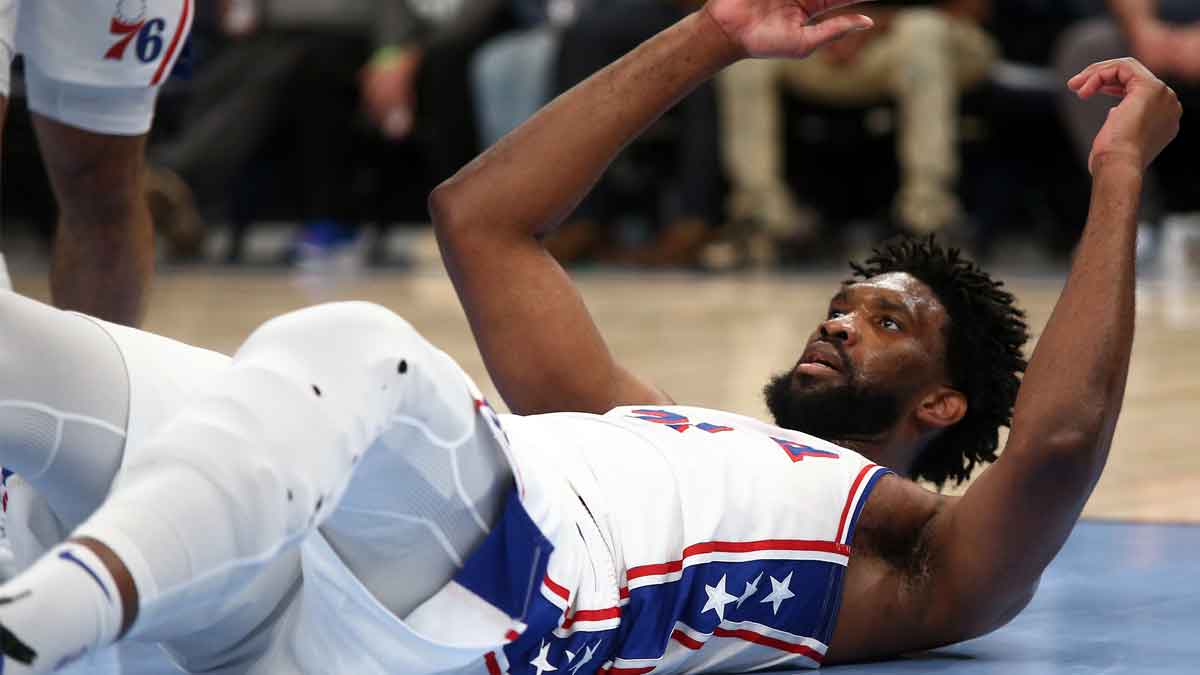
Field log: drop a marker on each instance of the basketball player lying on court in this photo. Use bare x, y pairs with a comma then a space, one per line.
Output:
337, 498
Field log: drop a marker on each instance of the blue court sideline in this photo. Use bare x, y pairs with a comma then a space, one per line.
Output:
1120, 598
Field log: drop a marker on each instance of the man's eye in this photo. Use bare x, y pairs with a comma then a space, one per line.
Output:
889, 323
835, 313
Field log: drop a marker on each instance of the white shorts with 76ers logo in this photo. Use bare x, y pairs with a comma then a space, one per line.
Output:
96, 64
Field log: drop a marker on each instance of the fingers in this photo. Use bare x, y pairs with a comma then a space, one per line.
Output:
837, 27
1113, 78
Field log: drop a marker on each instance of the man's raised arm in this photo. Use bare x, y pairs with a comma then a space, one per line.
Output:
979, 557
540, 345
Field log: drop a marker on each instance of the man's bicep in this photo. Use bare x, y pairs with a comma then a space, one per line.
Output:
540, 344
993, 544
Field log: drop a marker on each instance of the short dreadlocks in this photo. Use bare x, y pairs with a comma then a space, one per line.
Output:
984, 336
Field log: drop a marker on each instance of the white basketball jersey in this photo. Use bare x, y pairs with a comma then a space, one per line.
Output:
684, 540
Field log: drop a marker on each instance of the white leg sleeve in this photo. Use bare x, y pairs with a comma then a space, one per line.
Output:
62, 413
258, 459
428, 492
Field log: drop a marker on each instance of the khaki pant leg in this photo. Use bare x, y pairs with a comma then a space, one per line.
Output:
931, 58
752, 148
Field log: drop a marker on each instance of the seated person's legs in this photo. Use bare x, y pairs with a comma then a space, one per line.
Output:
930, 58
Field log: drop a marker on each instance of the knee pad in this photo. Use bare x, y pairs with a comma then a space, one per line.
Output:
281, 431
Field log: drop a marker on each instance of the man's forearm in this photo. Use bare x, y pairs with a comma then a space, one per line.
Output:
578, 135
1072, 391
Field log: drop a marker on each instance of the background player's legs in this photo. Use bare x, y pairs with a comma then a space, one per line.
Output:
93, 143
104, 246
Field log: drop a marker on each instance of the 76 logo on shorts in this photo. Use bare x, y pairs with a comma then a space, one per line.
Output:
130, 25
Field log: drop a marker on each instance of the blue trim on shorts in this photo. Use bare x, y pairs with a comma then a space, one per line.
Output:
508, 567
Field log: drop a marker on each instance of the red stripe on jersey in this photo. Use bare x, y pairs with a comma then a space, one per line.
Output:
850, 499
493, 665
682, 638
556, 589
624, 592
183, 23
592, 615
738, 547
511, 635
751, 636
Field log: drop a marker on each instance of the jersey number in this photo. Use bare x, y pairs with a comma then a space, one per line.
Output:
795, 451
149, 42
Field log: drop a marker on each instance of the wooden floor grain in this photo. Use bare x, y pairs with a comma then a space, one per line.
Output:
713, 341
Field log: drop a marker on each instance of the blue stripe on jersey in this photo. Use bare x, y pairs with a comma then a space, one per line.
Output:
866, 494
508, 567
649, 619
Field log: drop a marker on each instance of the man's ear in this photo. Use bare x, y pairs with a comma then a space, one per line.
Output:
941, 408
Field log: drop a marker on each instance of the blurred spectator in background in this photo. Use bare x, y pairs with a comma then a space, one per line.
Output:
512, 75
309, 66
922, 54
1164, 35
689, 205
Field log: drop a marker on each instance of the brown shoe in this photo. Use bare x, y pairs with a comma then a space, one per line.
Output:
173, 210
678, 245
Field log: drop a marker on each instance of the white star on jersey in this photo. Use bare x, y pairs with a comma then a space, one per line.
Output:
717, 599
780, 591
587, 656
542, 663
751, 589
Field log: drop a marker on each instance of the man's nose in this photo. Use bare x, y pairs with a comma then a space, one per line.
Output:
840, 328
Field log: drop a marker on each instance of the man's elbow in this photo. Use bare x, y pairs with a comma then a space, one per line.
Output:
444, 209
996, 616
1080, 436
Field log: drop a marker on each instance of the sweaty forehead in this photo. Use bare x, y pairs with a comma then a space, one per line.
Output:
897, 287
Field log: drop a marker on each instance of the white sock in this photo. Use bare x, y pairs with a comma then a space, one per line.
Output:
57, 611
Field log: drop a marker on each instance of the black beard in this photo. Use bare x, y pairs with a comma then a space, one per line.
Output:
833, 413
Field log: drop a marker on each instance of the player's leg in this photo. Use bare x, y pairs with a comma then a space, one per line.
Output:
93, 143
428, 492
65, 418
260, 457
64, 404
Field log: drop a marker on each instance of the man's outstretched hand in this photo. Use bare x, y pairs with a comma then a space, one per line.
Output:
1142, 124
784, 28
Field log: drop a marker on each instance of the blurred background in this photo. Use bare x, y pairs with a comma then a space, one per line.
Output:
296, 143
307, 131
